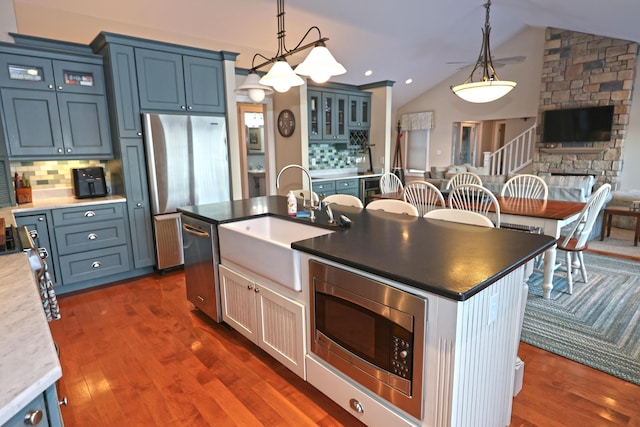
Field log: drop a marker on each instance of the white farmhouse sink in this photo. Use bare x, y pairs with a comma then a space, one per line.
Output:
263, 245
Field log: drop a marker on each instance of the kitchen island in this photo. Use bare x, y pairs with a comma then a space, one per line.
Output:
29, 365
473, 280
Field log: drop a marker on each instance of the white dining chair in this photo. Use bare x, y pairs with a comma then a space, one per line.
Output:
393, 206
525, 186
575, 242
476, 198
303, 196
462, 216
463, 178
424, 196
390, 183
344, 199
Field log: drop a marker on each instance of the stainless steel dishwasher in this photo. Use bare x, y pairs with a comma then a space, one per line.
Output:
201, 258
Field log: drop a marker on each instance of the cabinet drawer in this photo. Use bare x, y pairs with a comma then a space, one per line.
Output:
86, 237
94, 264
88, 214
346, 184
36, 404
326, 187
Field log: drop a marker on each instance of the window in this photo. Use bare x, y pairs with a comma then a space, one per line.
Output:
417, 149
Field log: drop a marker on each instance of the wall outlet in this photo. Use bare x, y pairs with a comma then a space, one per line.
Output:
382, 160
313, 161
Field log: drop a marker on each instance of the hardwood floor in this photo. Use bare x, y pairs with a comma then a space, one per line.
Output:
137, 354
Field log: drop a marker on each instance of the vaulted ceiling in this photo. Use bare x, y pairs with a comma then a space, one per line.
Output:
422, 40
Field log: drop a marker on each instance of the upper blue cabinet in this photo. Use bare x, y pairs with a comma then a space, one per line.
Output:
53, 104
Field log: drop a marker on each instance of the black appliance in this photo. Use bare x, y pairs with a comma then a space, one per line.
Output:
89, 183
578, 125
369, 187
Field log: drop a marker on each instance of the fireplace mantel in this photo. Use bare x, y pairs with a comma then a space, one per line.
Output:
573, 150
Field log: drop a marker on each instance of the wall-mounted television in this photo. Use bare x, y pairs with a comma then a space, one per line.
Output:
578, 125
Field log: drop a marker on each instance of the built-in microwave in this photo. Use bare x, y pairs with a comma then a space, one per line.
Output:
371, 332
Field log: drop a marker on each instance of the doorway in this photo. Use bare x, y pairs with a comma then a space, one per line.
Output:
465, 143
253, 148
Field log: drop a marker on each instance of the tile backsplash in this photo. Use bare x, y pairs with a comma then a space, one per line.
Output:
56, 173
332, 156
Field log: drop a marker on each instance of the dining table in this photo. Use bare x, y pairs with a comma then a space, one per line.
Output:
548, 216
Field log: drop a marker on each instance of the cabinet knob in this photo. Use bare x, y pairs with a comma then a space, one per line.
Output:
63, 401
59, 150
182, 107
89, 214
59, 87
68, 150
190, 107
256, 290
139, 133
92, 236
356, 406
33, 418
249, 287
96, 264
139, 204
40, 218
50, 86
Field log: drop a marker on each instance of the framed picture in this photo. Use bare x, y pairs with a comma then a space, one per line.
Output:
254, 137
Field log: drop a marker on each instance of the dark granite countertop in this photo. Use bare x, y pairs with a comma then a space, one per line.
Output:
452, 260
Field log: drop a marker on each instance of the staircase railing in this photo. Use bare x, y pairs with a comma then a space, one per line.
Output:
512, 156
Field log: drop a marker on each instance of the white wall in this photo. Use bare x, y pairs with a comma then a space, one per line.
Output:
521, 102
630, 177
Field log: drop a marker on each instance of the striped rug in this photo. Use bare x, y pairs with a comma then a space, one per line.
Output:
599, 325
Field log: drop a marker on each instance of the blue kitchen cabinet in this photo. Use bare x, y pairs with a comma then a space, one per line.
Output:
53, 107
360, 111
43, 411
173, 82
348, 186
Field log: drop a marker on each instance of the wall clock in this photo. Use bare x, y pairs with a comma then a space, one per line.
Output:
286, 123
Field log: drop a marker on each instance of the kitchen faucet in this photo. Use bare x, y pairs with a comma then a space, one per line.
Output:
311, 206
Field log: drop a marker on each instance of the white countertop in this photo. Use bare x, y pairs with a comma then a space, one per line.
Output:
28, 360
51, 199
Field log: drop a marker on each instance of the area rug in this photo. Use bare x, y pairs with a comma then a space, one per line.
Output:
597, 326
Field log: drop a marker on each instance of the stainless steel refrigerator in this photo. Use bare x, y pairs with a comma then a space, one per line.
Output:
188, 164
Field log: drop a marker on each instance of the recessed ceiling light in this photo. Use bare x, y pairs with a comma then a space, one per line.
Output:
408, 81
368, 73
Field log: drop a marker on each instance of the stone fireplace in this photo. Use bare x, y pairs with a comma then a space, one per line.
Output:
584, 70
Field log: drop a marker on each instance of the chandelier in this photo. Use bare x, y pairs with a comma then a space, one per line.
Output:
319, 65
490, 87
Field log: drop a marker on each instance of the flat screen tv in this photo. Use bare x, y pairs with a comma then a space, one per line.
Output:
578, 125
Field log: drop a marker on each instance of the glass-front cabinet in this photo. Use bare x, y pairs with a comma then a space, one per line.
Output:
333, 113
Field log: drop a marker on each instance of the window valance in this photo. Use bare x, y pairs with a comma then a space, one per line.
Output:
417, 121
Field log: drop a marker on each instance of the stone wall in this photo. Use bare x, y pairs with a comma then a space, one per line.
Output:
584, 70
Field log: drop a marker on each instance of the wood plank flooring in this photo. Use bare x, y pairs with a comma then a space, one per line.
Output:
137, 354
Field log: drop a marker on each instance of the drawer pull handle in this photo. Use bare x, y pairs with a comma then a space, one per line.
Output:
89, 214
200, 298
92, 236
356, 406
33, 418
96, 264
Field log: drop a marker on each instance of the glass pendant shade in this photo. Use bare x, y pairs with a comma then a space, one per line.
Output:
486, 91
320, 65
253, 89
281, 77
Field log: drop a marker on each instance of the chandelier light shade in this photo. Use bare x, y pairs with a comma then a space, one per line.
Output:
281, 77
490, 87
320, 65
253, 89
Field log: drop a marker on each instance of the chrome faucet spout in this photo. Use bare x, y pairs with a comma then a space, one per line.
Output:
305, 170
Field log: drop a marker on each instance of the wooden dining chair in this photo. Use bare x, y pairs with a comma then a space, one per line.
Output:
575, 243
475, 198
463, 178
457, 215
393, 206
390, 183
424, 196
344, 199
525, 186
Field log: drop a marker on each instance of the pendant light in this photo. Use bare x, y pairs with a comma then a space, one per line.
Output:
252, 87
319, 65
490, 87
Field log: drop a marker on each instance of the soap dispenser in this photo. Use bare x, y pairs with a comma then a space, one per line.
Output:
292, 204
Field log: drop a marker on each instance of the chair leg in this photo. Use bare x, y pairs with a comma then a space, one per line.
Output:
569, 273
583, 269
